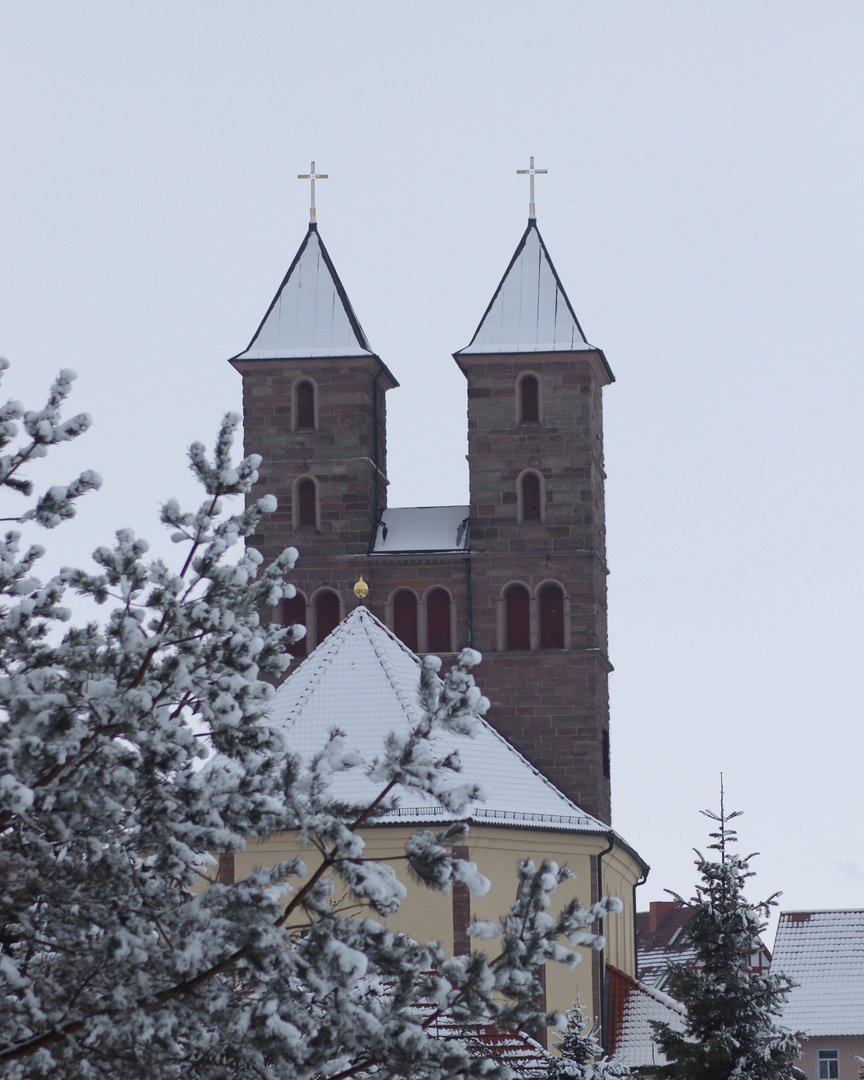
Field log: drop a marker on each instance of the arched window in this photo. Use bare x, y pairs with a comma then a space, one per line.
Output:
326, 615
405, 617
306, 503
529, 400
438, 621
294, 611
517, 613
531, 497
551, 605
305, 416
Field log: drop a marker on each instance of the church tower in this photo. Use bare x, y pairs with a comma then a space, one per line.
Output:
314, 408
538, 551
520, 571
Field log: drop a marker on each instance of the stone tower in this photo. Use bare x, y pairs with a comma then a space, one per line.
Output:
520, 572
538, 549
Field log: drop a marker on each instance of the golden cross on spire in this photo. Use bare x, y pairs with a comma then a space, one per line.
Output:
530, 172
313, 176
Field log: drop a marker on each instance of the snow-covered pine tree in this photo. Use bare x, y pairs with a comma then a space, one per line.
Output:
114, 960
582, 1056
731, 1027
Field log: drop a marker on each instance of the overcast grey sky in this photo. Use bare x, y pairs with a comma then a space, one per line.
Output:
703, 207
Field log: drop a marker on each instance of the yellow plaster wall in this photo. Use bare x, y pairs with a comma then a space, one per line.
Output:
620, 874
426, 914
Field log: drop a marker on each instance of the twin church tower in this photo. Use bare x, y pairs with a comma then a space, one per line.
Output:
520, 571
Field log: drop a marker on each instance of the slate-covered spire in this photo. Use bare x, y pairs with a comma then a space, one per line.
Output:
530, 312
311, 315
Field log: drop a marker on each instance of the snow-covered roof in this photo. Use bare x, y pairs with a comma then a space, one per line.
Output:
364, 681
632, 1007
311, 315
421, 528
653, 963
823, 951
530, 311
525, 1057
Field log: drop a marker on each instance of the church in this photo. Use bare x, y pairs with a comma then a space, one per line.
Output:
518, 573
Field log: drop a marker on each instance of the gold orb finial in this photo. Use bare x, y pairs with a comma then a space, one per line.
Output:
361, 589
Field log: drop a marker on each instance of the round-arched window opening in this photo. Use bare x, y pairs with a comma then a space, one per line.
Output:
529, 400
517, 606
531, 509
405, 617
438, 621
306, 503
551, 611
305, 407
326, 615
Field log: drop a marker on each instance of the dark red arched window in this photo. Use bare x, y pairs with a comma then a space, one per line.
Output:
531, 497
405, 617
529, 400
294, 611
551, 604
438, 621
306, 502
326, 615
305, 406
517, 613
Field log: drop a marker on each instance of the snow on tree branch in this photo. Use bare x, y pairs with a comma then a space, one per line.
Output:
121, 951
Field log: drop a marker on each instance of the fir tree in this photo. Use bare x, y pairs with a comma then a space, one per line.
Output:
581, 1054
121, 952
731, 1027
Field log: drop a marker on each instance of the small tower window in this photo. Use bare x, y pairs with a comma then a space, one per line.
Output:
326, 614
529, 400
551, 604
405, 617
306, 503
305, 416
294, 611
531, 507
438, 621
517, 613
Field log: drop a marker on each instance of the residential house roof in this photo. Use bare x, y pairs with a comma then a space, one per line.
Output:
632, 1007
823, 951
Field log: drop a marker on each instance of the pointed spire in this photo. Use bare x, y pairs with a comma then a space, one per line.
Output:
530, 312
311, 315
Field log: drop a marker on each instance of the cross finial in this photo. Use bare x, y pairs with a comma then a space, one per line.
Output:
313, 176
531, 172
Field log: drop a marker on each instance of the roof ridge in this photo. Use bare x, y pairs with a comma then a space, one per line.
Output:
323, 662
411, 707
